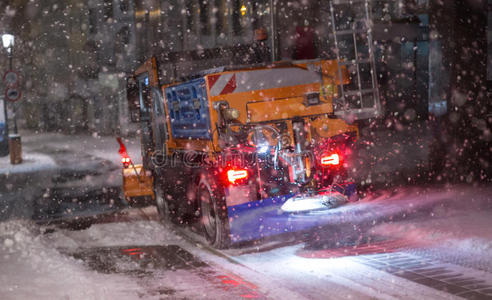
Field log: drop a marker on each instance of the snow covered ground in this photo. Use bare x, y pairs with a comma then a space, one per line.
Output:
39, 264
31, 162
33, 269
104, 147
59, 166
393, 244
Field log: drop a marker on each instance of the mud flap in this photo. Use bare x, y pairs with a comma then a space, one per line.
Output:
138, 185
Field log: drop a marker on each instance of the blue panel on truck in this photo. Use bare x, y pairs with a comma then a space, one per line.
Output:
188, 109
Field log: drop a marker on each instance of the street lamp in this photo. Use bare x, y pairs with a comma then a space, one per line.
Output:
8, 43
14, 140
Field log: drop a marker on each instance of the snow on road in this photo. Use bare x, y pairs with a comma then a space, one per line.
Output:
386, 247
465, 237
32, 269
335, 278
99, 263
36, 265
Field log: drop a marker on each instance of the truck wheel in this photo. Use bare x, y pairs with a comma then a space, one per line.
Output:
161, 203
213, 218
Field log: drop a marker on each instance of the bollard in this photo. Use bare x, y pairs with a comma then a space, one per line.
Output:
15, 148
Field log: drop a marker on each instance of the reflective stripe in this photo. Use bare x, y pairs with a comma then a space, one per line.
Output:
220, 84
246, 81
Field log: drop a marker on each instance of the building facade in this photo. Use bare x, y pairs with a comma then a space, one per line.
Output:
193, 35
111, 37
75, 55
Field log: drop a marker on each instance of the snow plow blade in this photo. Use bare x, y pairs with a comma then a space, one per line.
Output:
138, 185
283, 214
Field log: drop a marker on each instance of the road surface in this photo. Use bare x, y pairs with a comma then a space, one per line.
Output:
407, 243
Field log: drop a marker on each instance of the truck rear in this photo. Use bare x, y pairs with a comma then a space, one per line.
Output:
250, 152
247, 152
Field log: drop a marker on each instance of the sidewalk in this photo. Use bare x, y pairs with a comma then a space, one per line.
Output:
104, 147
57, 167
39, 151
32, 162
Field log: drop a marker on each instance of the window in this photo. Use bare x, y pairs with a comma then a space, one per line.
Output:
108, 9
92, 21
144, 96
190, 15
124, 5
124, 36
236, 17
204, 20
219, 16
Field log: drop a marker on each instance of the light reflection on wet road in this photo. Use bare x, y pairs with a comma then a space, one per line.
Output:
358, 261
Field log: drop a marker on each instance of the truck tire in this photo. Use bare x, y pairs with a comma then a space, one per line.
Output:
161, 202
213, 214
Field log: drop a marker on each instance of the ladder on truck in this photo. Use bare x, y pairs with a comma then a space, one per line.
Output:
352, 34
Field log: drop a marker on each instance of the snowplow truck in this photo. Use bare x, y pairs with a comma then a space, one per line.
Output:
254, 151
244, 152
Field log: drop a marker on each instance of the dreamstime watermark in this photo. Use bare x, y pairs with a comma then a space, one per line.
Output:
260, 138
200, 159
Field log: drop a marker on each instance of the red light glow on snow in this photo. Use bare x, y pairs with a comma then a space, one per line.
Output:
246, 289
131, 250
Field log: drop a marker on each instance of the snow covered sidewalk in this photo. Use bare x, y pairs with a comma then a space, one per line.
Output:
32, 269
122, 260
32, 162
22, 183
57, 165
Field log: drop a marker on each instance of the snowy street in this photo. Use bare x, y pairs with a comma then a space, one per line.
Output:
231, 149
406, 243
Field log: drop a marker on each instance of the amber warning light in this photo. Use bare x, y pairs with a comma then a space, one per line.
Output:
330, 160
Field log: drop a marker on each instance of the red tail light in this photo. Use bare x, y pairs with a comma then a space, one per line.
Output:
233, 175
330, 160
